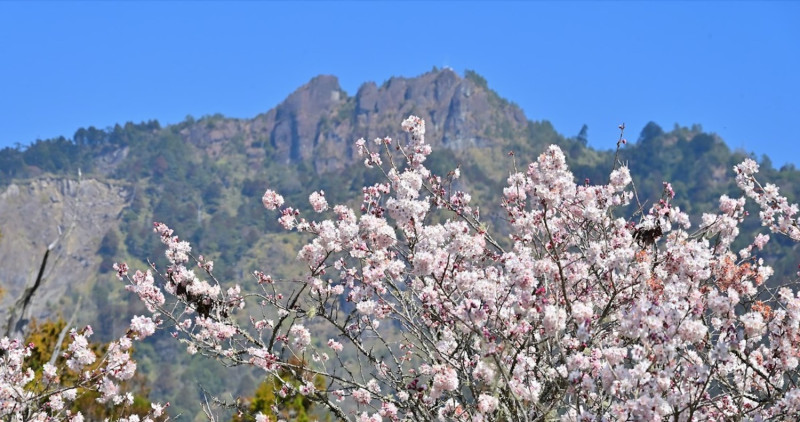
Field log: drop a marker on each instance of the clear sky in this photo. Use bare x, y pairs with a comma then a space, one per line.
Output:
732, 67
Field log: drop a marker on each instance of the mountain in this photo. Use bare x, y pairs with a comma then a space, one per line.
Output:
97, 193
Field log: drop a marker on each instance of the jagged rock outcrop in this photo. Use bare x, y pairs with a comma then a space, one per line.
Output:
459, 113
319, 122
297, 120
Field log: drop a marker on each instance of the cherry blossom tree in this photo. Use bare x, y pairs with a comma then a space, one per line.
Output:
49, 393
576, 313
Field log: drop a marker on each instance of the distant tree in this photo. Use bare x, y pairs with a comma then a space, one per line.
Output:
212, 193
583, 135
109, 247
477, 79
766, 162
275, 401
90, 136
11, 164
702, 143
252, 188
650, 131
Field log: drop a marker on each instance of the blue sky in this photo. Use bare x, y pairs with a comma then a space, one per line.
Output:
732, 67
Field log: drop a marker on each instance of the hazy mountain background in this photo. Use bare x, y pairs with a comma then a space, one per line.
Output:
99, 191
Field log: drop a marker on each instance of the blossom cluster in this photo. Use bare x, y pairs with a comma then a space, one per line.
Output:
50, 397
575, 313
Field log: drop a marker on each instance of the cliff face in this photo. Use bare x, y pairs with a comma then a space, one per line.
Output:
70, 214
458, 114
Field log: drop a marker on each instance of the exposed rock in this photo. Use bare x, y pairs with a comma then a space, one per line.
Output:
107, 163
36, 213
11, 191
298, 117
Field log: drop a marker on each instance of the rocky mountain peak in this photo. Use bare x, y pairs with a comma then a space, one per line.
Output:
297, 118
319, 93
319, 122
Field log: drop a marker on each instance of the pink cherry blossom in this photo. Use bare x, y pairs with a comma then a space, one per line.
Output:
272, 200
318, 202
143, 327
